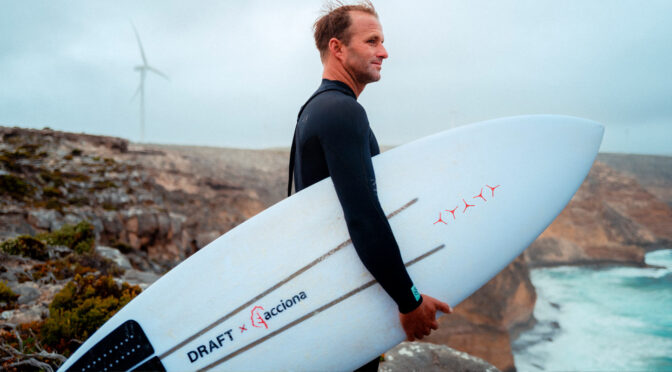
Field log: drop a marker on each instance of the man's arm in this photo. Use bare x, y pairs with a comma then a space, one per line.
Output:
345, 139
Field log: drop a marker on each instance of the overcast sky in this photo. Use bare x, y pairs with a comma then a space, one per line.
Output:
240, 70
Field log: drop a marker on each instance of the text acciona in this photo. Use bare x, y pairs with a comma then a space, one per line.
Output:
284, 305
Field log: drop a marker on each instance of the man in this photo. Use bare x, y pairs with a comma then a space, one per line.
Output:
333, 139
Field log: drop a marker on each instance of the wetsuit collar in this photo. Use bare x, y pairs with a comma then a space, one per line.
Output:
336, 85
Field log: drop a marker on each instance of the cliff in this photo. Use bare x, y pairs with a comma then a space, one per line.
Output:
160, 204
652, 172
612, 219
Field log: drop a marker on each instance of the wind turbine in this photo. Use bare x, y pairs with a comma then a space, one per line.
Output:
143, 69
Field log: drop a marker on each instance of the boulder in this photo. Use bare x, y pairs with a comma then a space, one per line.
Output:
420, 356
114, 255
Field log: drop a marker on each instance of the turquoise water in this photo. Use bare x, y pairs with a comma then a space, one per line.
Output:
612, 319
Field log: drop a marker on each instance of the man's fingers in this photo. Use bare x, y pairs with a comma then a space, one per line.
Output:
439, 305
434, 325
442, 306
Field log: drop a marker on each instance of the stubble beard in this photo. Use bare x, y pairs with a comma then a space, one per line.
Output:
365, 74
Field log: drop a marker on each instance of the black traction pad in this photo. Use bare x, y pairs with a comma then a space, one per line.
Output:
120, 350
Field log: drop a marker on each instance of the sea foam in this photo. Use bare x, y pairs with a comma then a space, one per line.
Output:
601, 319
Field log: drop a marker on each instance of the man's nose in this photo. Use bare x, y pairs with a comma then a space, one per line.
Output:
382, 52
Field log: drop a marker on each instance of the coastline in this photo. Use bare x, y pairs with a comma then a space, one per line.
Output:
576, 320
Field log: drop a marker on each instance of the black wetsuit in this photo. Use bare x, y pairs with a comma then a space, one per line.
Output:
333, 139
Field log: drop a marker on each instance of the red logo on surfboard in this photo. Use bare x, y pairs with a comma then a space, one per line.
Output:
467, 205
257, 319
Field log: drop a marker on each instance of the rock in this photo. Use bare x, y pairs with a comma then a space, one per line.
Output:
26, 314
141, 278
420, 356
114, 255
14, 223
206, 238
112, 225
56, 251
42, 218
164, 226
7, 315
28, 292
147, 225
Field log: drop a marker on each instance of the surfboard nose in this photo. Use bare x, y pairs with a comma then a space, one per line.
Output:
590, 131
587, 127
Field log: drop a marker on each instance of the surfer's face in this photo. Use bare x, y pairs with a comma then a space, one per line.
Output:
364, 54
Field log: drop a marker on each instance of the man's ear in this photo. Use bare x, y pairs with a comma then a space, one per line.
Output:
336, 48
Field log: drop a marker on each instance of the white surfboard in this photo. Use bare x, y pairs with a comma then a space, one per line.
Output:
286, 291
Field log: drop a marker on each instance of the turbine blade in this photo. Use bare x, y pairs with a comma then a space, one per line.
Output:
150, 68
142, 51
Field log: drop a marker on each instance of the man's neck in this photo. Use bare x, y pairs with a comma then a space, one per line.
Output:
344, 77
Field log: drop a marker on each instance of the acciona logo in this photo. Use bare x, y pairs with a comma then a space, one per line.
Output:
285, 305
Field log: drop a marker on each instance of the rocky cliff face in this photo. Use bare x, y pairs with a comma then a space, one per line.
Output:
162, 205
654, 173
612, 219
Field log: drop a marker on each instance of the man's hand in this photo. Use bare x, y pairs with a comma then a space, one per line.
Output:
420, 322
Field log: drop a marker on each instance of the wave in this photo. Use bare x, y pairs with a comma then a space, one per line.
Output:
600, 319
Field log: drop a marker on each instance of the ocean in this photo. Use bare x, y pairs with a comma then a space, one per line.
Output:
606, 319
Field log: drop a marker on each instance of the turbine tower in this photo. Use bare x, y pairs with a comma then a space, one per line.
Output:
143, 69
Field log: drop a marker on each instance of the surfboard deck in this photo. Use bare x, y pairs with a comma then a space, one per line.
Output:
286, 291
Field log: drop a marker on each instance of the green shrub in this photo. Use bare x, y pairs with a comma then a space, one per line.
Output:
76, 264
26, 246
52, 203
56, 178
50, 192
76, 176
102, 185
15, 187
7, 297
109, 206
79, 238
79, 201
81, 307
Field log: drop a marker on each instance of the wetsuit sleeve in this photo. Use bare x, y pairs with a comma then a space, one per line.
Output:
345, 140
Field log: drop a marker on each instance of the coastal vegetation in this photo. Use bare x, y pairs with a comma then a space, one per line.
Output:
89, 296
7, 297
81, 307
79, 238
